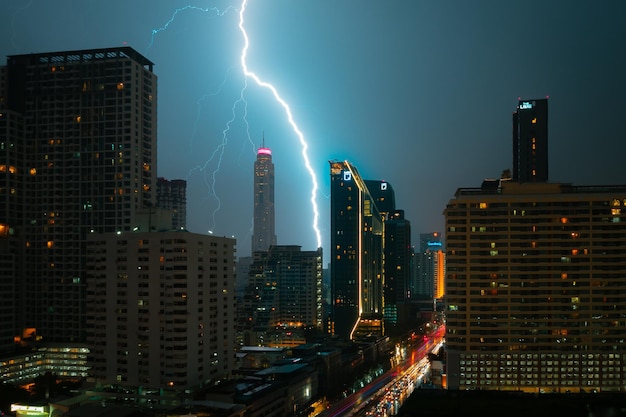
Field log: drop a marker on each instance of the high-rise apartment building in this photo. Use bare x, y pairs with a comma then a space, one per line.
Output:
535, 288
172, 196
530, 141
284, 292
78, 147
356, 264
264, 233
160, 308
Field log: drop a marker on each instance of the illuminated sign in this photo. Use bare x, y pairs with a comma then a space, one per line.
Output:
19, 407
383, 186
429, 243
264, 151
525, 105
347, 176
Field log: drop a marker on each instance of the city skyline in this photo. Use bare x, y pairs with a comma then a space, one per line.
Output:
417, 87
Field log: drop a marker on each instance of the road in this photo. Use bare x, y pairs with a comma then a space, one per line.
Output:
384, 395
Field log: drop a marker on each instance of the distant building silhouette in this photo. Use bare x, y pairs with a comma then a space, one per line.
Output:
530, 141
398, 271
172, 196
264, 233
77, 156
430, 267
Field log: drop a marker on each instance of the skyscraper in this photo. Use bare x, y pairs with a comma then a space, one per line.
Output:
356, 264
264, 234
81, 158
530, 141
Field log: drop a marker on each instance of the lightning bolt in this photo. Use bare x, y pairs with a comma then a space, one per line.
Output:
210, 180
215, 10
219, 153
294, 126
13, 17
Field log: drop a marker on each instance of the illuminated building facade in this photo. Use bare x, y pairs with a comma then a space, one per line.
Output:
536, 289
356, 265
264, 234
530, 141
160, 308
83, 159
66, 361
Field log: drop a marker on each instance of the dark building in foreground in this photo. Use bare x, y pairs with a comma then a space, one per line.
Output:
160, 309
77, 155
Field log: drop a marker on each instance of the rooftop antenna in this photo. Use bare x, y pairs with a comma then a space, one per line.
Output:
263, 143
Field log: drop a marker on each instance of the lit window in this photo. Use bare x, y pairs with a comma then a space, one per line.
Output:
534, 121
483, 205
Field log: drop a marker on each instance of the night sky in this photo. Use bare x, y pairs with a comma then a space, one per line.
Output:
417, 93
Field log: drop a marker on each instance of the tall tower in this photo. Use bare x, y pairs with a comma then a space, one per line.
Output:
264, 234
83, 161
530, 141
356, 265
